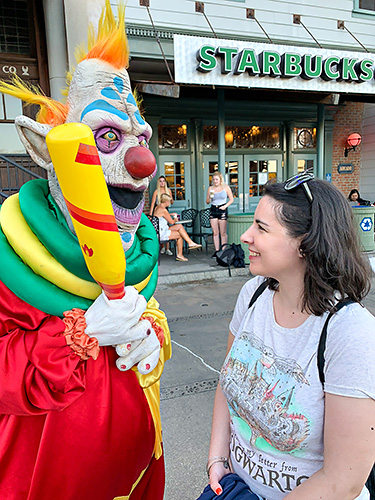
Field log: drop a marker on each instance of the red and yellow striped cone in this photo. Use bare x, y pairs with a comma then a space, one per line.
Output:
77, 165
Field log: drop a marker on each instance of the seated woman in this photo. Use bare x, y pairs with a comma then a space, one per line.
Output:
355, 199
174, 231
161, 187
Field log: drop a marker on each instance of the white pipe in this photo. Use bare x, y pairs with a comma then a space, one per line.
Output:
56, 46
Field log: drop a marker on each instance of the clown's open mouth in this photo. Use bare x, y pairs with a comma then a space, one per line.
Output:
124, 197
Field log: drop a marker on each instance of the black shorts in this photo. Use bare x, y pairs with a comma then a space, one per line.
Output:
217, 213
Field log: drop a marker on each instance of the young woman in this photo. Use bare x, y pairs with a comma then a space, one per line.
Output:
217, 195
173, 231
161, 188
278, 427
355, 199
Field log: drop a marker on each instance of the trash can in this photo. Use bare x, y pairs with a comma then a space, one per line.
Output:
364, 221
238, 223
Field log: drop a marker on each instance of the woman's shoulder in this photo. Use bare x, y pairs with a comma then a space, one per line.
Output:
249, 288
352, 327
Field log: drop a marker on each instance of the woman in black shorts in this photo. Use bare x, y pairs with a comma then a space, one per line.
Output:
217, 194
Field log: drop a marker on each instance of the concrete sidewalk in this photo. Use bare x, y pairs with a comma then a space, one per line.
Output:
199, 311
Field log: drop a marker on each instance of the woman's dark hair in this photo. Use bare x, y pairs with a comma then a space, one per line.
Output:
352, 192
335, 267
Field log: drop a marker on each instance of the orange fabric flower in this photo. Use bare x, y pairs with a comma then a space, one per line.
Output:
157, 329
84, 346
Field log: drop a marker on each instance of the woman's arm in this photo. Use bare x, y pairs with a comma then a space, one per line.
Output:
208, 198
167, 216
349, 451
230, 196
153, 201
220, 434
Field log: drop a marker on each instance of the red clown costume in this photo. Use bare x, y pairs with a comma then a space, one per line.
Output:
79, 417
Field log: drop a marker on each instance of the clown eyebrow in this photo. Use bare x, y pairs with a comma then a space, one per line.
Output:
102, 105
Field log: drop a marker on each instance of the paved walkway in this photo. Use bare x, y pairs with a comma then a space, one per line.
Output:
199, 307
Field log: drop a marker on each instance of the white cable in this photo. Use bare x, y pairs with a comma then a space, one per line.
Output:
196, 356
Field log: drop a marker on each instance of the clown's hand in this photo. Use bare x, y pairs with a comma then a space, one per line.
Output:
115, 322
144, 352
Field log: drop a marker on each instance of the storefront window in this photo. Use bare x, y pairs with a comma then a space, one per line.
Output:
14, 27
254, 137
175, 175
260, 172
303, 165
172, 136
366, 4
305, 138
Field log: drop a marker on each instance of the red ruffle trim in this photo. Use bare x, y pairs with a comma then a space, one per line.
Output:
84, 346
157, 329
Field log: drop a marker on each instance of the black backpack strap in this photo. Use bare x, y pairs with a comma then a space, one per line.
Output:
258, 292
323, 336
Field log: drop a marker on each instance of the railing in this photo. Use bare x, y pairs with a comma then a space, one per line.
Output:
13, 175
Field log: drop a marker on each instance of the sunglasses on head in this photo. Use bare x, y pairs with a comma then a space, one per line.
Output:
301, 180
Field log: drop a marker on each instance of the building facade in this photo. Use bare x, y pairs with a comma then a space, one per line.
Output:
257, 89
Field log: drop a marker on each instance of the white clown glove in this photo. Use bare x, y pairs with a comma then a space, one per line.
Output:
115, 322
144, 352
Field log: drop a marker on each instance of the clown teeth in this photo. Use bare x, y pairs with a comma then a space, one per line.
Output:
128, 216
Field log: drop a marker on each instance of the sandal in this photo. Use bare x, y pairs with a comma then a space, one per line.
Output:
182, 259
193, 247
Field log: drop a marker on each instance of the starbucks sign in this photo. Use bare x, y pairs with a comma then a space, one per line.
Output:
212, 61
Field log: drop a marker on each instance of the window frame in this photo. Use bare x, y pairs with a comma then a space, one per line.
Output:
364, 13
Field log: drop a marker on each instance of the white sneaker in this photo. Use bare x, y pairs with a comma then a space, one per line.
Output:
168, 252
162, 250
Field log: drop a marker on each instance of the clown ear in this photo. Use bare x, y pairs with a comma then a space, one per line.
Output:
33, 137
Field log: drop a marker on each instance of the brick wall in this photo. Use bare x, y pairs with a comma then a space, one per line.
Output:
146, 208
347, 120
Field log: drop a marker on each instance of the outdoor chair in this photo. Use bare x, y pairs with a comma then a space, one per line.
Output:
204, 223
155, 222
189, 214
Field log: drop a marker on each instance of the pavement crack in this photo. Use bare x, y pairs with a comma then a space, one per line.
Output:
196, 356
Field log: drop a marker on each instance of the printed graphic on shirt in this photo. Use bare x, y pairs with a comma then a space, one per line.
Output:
280, 474
259, 386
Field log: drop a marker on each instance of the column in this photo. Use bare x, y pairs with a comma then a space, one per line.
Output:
320, 142
56, 46
221, 129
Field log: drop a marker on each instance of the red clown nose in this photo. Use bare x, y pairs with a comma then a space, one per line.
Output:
139, 162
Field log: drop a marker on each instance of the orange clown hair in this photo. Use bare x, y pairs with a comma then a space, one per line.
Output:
51, 111
109, 44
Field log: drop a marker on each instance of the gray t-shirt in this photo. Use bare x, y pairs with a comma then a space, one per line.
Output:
276, 400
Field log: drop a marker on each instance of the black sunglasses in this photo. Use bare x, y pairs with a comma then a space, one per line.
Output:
300, 180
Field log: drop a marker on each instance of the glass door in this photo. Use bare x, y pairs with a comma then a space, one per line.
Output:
257, 171
176, 169
304, 161
233, 177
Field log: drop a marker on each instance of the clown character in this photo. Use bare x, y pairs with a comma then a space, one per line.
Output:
79, 376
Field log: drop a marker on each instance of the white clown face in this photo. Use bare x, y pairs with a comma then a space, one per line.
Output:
100, 96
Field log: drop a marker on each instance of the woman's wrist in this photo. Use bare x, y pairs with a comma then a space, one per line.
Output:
224, 461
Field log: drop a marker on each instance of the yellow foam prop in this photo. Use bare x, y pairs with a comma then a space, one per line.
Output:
77, 165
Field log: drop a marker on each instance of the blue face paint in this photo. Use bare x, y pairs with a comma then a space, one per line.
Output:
130, 99
139, 118
126, 237
119, 83
110, 94
101, 105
